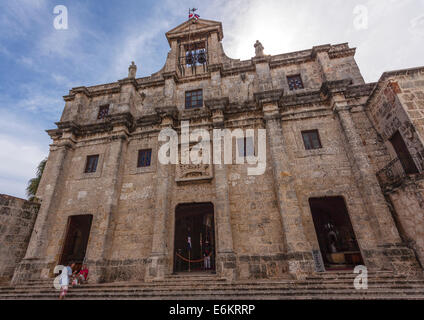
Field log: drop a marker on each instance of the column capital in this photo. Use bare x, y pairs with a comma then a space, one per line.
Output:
170, 75
339, 106
268, 97
167, 114
128, 81
332, 88
217, 104
215, 67
80, 90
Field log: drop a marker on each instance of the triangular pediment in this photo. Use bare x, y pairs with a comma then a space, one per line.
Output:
201, 25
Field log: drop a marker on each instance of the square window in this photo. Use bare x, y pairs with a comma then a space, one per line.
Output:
103, 112
91, 164
295, 82
144, 158
246, 147
194, 99
311, 139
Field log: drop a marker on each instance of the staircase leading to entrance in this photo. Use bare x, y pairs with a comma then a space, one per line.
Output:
334, 285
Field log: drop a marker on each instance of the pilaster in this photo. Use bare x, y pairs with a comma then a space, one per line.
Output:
298, 250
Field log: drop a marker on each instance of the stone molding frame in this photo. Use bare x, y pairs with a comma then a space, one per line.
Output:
133, 150
301, 152
99, 169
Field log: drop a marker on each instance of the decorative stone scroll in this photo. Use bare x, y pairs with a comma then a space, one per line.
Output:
193, 172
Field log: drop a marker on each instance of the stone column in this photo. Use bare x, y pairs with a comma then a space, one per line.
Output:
366, 178
298, 249
35, 263
157, 262
225, 259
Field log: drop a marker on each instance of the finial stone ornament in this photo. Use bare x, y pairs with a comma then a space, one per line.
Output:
259, 49
132, 70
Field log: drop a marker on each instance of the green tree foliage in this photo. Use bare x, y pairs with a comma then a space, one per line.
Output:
33, 184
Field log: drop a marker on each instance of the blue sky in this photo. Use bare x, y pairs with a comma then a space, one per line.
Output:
39, 64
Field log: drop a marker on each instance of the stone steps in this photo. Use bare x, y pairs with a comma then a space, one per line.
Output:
338, 285
293, 283
227, 295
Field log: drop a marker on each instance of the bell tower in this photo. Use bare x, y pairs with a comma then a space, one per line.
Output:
195, 45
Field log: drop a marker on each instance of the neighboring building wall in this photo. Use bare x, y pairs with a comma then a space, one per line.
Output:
17, 217
397, 104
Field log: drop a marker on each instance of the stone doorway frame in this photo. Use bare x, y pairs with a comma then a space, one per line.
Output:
173, 237
346, 212
67, 235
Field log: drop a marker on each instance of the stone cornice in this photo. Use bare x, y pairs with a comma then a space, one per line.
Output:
121, 119
195, 114
83, 90
261, 59
321, 48
167, 111
171, 75
383, 81
217, 104
308, 97
111, 121
150, 119
215, 67
329, 88
289, 61
271, 96
402, 72
361, 90
126, 81
342, 53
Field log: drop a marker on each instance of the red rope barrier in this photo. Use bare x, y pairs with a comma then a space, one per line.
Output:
191, 261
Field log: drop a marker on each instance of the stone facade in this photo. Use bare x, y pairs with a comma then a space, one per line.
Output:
17, 217
263, 224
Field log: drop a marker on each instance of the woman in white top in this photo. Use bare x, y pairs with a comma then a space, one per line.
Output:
64, 280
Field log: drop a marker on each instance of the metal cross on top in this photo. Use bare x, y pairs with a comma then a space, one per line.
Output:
192, 14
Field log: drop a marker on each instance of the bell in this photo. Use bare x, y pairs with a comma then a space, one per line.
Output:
189, 59
201, 58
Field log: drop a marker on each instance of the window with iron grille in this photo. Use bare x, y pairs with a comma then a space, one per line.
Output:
311, 139
295, 82
195, 54
91, 164
144, 158
103, 112
194, 99
246, 147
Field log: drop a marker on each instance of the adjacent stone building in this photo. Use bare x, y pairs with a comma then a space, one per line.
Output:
17, 218
324, 201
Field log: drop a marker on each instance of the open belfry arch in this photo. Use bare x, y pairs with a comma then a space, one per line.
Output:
325, 141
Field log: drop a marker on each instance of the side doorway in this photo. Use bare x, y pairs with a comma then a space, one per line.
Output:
76, 239
336, 238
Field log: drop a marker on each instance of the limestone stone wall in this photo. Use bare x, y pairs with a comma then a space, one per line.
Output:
408, 202
17, 217
327, 172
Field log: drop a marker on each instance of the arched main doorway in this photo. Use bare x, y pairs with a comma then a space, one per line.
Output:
194, 238
337, 241
76, 239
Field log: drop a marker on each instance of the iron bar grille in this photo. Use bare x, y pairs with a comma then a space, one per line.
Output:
397, 170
